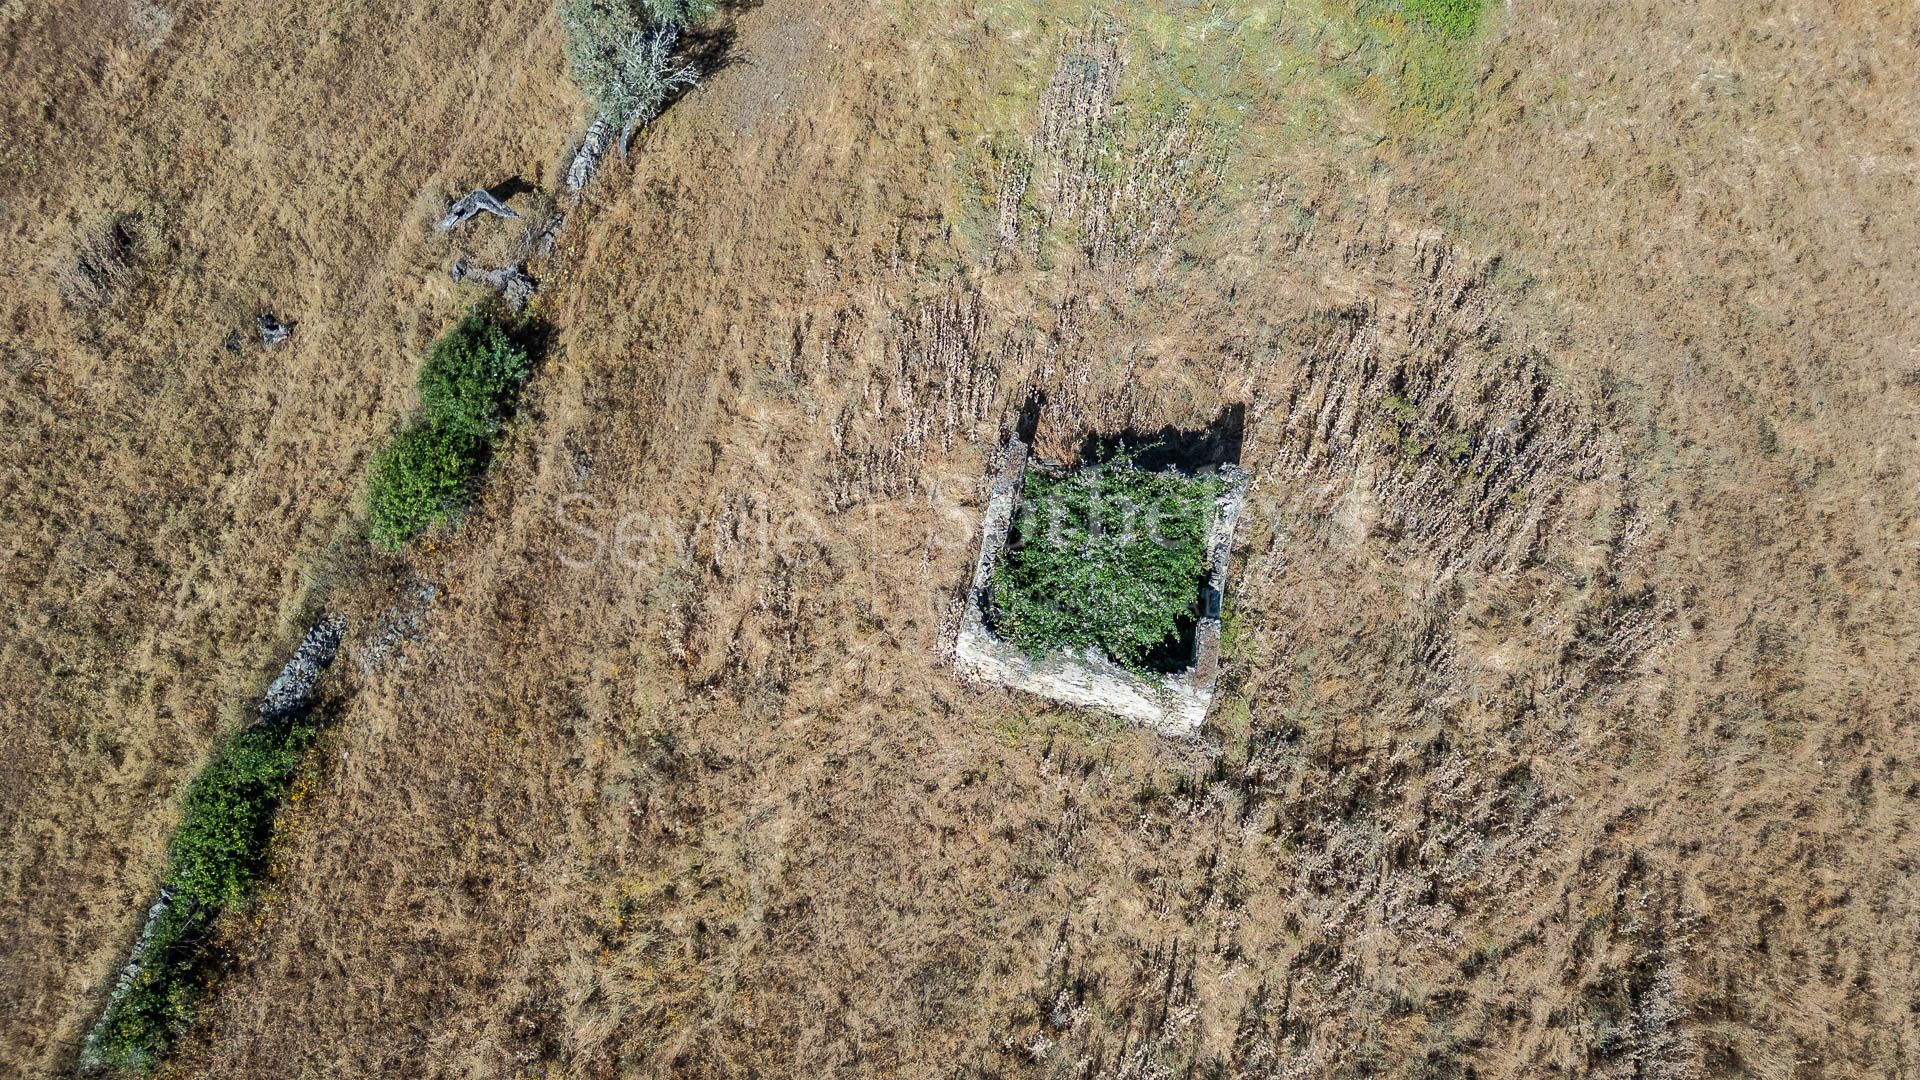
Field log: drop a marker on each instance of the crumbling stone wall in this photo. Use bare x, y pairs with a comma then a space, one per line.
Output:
1178, 706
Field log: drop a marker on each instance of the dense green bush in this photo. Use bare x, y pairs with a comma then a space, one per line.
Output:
420, 479
212, 863
619, 52
470, 375
215, 853
1110, 557
424, 475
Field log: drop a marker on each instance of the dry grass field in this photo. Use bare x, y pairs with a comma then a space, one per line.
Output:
1567, 722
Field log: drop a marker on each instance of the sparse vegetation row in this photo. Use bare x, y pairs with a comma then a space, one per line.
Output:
212, 863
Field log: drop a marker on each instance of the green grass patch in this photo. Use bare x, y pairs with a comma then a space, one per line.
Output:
1457, 19
1109, 557
1214, 96
212, 864
424, 476
1414, 439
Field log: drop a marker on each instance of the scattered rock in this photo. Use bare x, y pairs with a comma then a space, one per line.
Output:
511, 282
400, 623
272, 330
473, 204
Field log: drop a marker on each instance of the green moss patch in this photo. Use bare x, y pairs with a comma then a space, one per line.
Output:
1457, 19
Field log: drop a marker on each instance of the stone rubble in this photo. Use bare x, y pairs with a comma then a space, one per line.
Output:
586, 160
511, 282
290, 693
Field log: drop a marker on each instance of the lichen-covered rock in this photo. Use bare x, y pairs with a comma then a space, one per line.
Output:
586, 160
473, 204
289, 694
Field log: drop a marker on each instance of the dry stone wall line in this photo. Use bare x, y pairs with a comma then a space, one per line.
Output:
291, 693
510, 282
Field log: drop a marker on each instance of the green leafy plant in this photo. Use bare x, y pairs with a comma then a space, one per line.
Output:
213, 861
420, 479
215, 853
423, 476
1109, 557
470, 375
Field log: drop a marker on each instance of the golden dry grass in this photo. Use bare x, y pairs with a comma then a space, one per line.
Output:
1588, 759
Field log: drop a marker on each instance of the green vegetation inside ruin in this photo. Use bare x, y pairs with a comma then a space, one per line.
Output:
1108, 557
214, 859
423, 476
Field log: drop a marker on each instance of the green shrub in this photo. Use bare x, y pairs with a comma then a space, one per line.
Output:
420, 479
424, 475
214, 855
470, 375
1108, 557
212, 864
159, 1003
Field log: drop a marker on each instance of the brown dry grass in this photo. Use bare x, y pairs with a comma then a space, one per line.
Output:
162, 492
1583, 756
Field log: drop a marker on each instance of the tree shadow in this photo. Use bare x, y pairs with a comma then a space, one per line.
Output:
710, 50
1027, 423
1201, 450
507, 189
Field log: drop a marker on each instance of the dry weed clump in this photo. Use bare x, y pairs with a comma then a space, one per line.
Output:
1109, 178
1468, 448
106, 259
